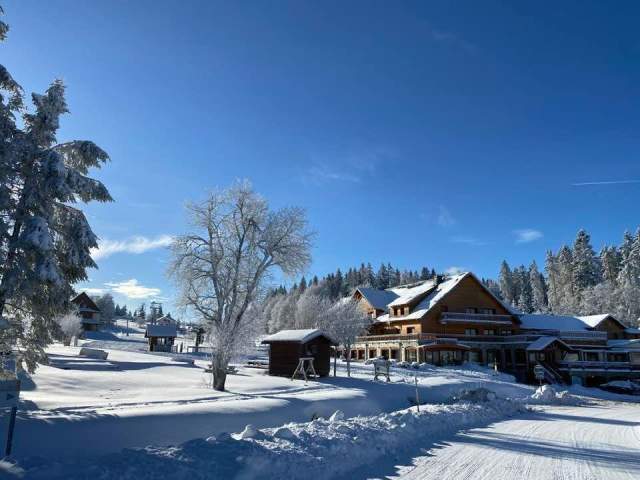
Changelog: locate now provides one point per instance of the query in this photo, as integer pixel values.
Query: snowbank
(547, 395)
(323, 448)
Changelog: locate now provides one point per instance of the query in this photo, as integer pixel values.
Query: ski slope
(601, 441)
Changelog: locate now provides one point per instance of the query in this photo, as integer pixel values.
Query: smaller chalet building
(450, 320)
(161, 336)
(287, 347)
(88, 311)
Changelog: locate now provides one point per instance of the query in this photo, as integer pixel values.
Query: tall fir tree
(538, 289)
(507, 287)
(45, 240)
(586, 268)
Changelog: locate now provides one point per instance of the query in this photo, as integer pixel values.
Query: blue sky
(447, 134)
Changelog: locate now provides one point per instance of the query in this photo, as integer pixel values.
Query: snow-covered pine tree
(628, 288)
(45, 240)
(382, 277)
(610, 261)
(525, 295)
(567, 298)
(586, 268)
(553, 281)
(538, 289)
(507, 287)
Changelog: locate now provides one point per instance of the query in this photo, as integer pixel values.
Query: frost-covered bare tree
(70, 325)
(45, 240)
(310, 309)
(345, 320)
(220, 267)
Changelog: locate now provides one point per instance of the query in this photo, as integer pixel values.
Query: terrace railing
(489, 319)
(395, 337)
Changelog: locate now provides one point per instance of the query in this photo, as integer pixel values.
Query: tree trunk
(219, 379)
(349, 362)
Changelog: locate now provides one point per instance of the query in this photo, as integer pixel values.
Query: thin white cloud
(527, 235)
(321, 173)
(453, 270)
(453, 39)
(134, 245)
(468, 240)
(445, 219)
(605, 182)
(132, 289)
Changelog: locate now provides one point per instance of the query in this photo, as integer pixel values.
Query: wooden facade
(284, 355)
(459, 319)
(88, 311)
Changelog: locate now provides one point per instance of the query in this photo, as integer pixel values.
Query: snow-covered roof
(428, 302)
(543, 342)
(155, 330)
(378, 299)
(298, 336)
(407, 294)
(85, 303)
(543, 321)
(594, 320)
(432, 295)
(632, 330)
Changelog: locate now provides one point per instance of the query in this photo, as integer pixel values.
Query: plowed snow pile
(323, 448)
(547, 395)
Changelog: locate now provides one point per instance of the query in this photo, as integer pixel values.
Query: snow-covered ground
(135, 399)
(77, 415)
(594, 443)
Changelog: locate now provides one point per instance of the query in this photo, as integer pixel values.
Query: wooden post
(417, 395)
(12, 424)
(335, 359)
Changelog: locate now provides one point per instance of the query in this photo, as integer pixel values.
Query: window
(410, 330)
(506, 332)
(489, 331)
(487, 311)
(470, 331)
(591, 356)
(469, 310)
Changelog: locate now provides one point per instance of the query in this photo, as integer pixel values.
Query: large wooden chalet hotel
(455, 319)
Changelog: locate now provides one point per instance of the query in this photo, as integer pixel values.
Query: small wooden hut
(161, 337)
(287, 347)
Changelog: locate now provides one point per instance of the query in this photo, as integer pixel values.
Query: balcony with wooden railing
(396, 337)
(475, 318)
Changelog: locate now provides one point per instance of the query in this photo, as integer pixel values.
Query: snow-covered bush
(70, 325)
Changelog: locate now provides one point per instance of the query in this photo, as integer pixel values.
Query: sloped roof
(154, 330)
(378, 299)
(406, 295)
(543, 342)
(594, 320)
(297, 336)
(435, 295)
(84, 300)
(543, 321)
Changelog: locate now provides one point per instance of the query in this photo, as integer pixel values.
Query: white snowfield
(134, 399)
(593, 443)
(79, 413)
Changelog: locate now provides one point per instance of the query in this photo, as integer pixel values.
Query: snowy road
(585, 443)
